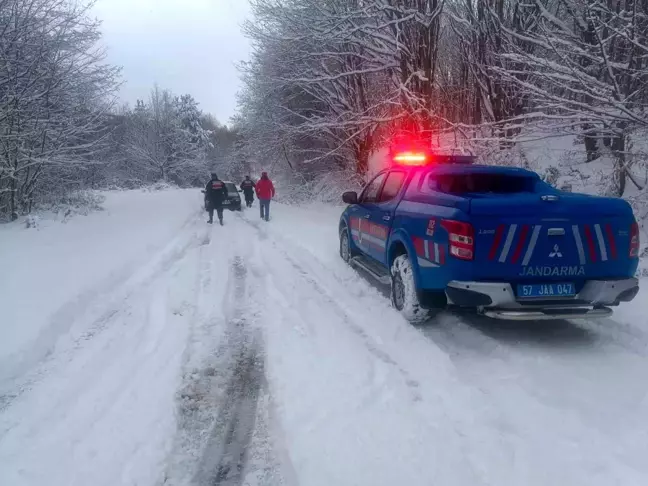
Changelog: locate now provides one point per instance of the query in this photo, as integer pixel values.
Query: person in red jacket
(265, 191)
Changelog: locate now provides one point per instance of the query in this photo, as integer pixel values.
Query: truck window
(392, 186)
(370, 193)
(479, 184)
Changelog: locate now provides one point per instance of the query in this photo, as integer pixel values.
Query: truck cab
(443, 231)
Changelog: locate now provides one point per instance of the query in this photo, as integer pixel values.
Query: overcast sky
(188, 46)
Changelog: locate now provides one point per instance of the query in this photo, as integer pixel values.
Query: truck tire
(346, 250)
(403, 291)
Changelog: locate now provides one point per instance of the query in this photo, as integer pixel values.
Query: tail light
(634, 240)
(461, 236)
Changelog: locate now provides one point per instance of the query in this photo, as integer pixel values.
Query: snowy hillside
(141, 346)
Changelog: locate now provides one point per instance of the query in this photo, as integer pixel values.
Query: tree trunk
(607, 141)
(13, 210)
(285, 153)
(362, 159)
(618, 148)
(591, 143)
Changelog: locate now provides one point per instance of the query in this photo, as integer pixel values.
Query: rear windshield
(231, 188)
(480, 183)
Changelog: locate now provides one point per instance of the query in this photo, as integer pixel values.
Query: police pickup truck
(445, 232)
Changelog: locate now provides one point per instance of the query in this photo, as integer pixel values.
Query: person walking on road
(215, 194)
(247, 186)
(265, 192)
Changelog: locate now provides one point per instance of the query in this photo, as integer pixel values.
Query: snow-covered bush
(159, 186)
(551, 175)
(75, 203)
(326, 188)
(32, 221)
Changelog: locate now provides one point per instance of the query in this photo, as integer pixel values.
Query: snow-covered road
(140, 346)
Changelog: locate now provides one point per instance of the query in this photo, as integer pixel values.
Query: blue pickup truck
(445, 232)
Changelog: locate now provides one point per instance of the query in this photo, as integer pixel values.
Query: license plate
(225, 203)
(547, 290)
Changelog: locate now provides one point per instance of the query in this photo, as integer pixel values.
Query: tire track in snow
(308, 277)
(225, 454)
(218, 403)
(203, 376)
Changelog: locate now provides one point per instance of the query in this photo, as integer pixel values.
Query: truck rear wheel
(403, 291)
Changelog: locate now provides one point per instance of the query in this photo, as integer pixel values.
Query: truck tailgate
(575, 238)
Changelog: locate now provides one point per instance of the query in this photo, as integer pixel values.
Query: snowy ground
(140, 346)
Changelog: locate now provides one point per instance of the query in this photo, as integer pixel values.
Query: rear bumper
(549, 314)
(232, 205)
(498, 300)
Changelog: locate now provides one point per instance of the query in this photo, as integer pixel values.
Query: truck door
(360, 219)
(382, 212)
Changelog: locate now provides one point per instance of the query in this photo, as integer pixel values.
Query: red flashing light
(410, 158)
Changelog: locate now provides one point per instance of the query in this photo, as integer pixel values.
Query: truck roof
(482, 169)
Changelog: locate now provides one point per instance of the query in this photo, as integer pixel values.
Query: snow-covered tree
(588, 72)
(55, 98)
(165, 139)
(324, 76)
(478, 33)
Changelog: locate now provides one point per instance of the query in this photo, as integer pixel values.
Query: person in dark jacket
(215, 194)
(265, 192)
(247, 186)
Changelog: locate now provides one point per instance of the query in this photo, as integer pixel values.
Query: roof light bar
(410, 158)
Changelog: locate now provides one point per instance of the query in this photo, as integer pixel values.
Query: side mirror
(203, 191)
(350, 197)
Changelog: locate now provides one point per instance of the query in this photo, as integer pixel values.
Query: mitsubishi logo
(556, 252)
